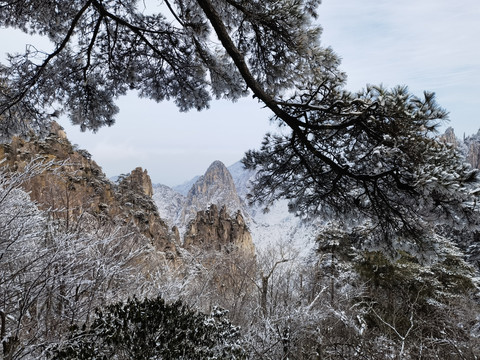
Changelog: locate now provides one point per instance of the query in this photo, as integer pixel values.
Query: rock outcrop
(75, 185)
(214, 229)
(139, 181)
(134, 195)
(473, 151)
(449, 137)
(197, 217)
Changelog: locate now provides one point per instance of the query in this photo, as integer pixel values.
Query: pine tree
(369, 154)
(370, 157)
(153, 329)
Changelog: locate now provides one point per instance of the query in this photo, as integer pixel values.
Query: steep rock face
(139, 181)
(76, 185)
(71, 170)
(473, 150)
(449, 137)
(135, 198)
(214, 229)
(197, 217)
(216, 186)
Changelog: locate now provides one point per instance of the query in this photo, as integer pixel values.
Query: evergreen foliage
(102, 49)
(408, 307)
(153, 329)
(368, 155)
(384, 284)
(53, 275)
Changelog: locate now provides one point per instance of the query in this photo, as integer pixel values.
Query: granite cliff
(217, 187)
(76, 187)
(210, 215)
(472, 144)
(214, 229)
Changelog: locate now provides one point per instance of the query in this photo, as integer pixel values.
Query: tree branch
(43, 66)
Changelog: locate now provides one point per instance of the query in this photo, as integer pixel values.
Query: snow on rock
(169, 202)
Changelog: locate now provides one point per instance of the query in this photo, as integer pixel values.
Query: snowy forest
(91, 268)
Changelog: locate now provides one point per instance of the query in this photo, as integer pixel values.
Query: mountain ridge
(278, 224)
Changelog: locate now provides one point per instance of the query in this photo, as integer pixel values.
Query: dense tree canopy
(153, 329)
(104, 48)
(369, 154)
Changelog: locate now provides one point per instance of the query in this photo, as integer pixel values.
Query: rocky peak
(469, 147)
(217, 177)
(472, 144)
(449, 137)
(216, 186)
(214, 229)
(139, 180)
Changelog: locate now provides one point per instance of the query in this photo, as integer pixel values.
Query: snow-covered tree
(408, 307)
(346, 303)
(51, 278)
(153, 329)
(365, 152)
(165, 50)
(369, 157)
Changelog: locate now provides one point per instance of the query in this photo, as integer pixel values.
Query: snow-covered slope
(186, 186)
(169, 203)
(241, 178)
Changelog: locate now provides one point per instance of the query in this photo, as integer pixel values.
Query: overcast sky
(428, 45)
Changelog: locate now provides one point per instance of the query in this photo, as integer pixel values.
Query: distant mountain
(210, 214)
(228, 187)
(216, 187)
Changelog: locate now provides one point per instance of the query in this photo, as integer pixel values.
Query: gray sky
(428, 45)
